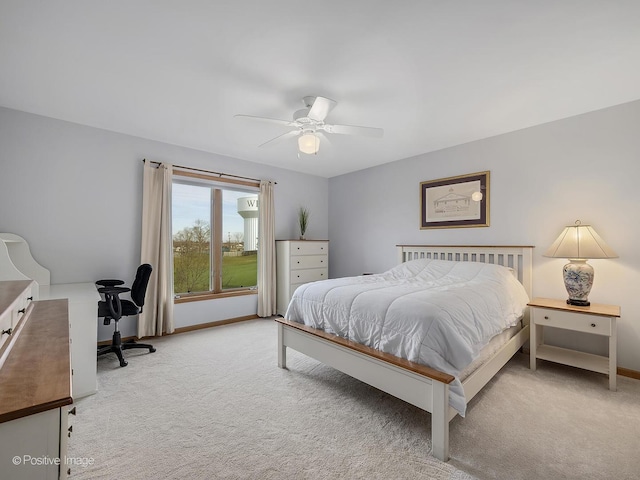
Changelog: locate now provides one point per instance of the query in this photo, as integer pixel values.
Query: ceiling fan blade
(321, 108)
(287, 123)
(354, 130)
(324, 139)
(281, 138)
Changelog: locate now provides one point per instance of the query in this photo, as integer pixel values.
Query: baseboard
(191, 328)
(626, 372)
(217, 323)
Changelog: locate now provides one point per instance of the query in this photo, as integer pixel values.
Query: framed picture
(453, 202)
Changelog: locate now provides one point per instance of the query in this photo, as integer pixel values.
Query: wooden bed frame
(416, 384)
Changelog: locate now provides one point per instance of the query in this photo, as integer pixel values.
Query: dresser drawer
(293, 288)
(309, 248)
(20, 306)
(580, 322)
(299, 262)
(310, 275)
(6, 323)
(14, 311)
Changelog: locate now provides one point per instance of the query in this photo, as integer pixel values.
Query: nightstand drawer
(580, 322)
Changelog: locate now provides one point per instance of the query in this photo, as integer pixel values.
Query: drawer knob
(593, 324)
(22, 310)
(7, 331)
(29, 298)
(72, 411)
(546, 318)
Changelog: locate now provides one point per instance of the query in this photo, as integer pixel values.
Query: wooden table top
(593, 309)
(35, 371)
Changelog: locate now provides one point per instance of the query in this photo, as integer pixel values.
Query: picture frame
(455, 202)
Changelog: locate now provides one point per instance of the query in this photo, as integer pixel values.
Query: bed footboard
(416, 384)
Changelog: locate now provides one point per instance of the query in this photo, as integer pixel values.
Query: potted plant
(303, 221)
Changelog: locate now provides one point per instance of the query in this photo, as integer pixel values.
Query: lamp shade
(579, 242)
(308, 143)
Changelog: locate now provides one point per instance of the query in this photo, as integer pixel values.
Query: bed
(426, 387)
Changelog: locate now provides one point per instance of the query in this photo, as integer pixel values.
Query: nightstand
(596, 319)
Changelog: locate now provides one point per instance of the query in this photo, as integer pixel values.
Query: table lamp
(578, 243)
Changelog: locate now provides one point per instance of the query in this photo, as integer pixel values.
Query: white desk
(17, 263)
(83, 322)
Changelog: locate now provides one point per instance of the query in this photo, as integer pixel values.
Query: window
(215, 237)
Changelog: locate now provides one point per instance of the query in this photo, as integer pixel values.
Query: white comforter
(434, 312)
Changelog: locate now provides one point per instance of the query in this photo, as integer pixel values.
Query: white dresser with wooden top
(35, 386)
(299, 262)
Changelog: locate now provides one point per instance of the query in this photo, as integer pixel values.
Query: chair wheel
(152, 349)
(124, 363)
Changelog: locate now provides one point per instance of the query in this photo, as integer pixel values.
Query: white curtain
(157, 315)
(266, 251)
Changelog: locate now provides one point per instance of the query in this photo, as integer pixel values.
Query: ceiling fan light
(308, 143)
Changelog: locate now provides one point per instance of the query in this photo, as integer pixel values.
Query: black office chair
(114, 308)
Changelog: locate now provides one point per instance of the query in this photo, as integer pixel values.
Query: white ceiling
(431, 73)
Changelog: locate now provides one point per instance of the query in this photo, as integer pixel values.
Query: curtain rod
(208, 171)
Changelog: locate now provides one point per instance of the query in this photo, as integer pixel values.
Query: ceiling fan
(308, 125)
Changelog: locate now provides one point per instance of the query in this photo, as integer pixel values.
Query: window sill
(198, 297)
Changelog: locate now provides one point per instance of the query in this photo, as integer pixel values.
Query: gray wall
(75, 194)
(542, 178)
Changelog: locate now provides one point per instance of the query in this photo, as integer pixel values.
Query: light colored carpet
(213, 404)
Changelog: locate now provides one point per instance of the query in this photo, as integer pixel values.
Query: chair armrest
(109, 283)
(112, 299)
(114, 290)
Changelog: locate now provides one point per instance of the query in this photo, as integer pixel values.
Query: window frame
(215, 267)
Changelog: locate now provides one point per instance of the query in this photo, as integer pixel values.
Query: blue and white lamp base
(578, 280)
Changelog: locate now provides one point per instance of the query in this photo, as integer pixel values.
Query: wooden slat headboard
(517, 257)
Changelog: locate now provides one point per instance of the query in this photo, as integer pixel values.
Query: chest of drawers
(299, 262)
(35, 386)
